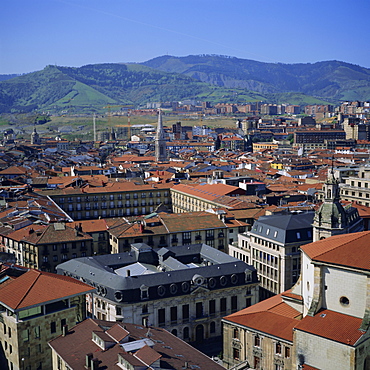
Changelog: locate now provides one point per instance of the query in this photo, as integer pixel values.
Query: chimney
(88, 361)
(94, 364)
(128, 273)
(142, 227)
(65, 330)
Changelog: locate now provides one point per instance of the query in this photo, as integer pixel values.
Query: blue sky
(36, 33)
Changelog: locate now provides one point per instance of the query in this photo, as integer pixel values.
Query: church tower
(35, 138)
(160, 141)
(332, 218)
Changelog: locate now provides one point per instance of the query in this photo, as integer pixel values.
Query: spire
(160, 140)
(160, 131)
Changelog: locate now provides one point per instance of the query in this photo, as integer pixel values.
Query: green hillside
(331, 80)
(92, 87)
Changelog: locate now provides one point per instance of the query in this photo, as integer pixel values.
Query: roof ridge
(31, 286)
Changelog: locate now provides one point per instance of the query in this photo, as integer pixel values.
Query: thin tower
(160, 140)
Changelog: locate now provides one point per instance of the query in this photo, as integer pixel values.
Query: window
(212, 327)
(257, 341)
(209, 234)
(199, 309)
(287, 352)
(186, 238)
(236, 333)
(223, 305)
(344, 301)
(118, 311)
(53, 327)
(278, 348)
(161, 316)
(236, 353)
(63, 323)
(186, 333)
(37, 332)
(26, 335)
(173, 312)
(185, 313)
(234, 303)
(212, 307)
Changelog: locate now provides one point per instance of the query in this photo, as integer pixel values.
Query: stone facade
(184, 289)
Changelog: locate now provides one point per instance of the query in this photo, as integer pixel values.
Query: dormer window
(144, 292)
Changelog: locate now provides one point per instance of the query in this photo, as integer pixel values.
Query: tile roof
(272, 316)
(208, 191)
(172, 350)
(36, 287)
(333, 325)
(47, 234)
(345, 250)
(147, 355)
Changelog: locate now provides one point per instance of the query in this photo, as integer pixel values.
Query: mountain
(94, 86)
(167, 78)
(331, 80)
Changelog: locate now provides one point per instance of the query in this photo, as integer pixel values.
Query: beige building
(186, 198)
(45, 246)
(112, 199)
(357, 188)
(166, 229)
(35, 307)
(272, 247)
(323, 322)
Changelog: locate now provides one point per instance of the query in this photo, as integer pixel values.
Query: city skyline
(75, 33)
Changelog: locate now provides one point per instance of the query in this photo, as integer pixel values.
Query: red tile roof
(147, 355)
(35, 287)
(333, 325)
(345, 250)
(272, 316)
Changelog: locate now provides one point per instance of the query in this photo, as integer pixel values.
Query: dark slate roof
(286, 228)
(180, 266)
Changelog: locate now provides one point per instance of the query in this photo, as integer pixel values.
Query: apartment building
(186, 198)
(112, 199)
(184, 289)
(272, 247)
(162, 230)
(45, 246)
(36, 307)
(356, 187)
(312, 139)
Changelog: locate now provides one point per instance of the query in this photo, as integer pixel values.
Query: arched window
(186, 333)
